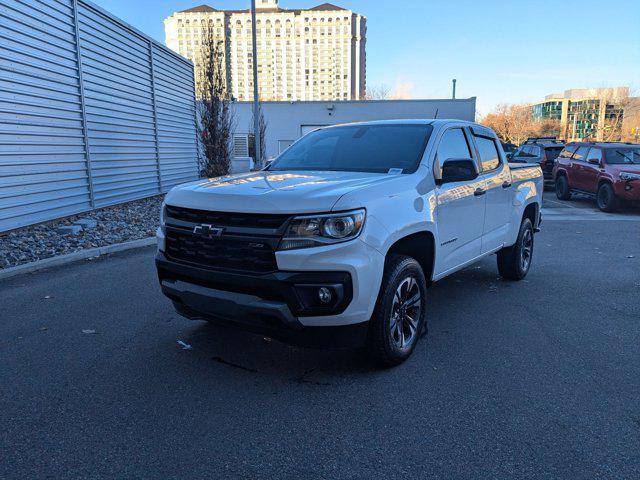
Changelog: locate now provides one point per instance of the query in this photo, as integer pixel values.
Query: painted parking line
(578, 214)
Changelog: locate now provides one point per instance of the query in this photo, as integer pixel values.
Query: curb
(75, 256)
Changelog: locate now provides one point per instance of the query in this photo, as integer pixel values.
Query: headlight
(318, 230)
(163, 207)
(629, 176)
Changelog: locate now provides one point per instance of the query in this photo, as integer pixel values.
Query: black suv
(540, 150)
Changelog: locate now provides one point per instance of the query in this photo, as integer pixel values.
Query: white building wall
(287, 121)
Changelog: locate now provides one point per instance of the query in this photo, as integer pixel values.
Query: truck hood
(272, 192)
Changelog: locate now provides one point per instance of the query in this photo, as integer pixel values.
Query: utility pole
(256, 99)
(454, 89)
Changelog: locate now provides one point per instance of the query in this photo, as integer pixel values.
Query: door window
(535, 151)
(453, 145)
(581, 154)
(595, 154)
(568, 152)
(489, 156)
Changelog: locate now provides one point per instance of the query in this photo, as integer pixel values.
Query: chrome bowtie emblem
(208, 231)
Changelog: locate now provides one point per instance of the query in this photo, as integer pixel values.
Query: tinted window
(595, 154)
(520, 152)
(358, 148)
(489, 156)
(535, 151)
(619, 156)
(567, 152)
(453, 145)
(581, 154)
(552, 153)
(525, 151)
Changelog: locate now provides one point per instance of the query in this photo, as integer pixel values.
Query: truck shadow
(242, 353)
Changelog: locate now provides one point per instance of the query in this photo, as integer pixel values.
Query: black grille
(224, 219)
(247, 242)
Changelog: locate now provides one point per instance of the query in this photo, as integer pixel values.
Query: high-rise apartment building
(314, 54)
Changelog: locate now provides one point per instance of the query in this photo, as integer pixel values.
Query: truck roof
(409, 121)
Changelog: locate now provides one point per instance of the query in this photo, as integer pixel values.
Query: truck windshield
(621, 156)
(358, 148)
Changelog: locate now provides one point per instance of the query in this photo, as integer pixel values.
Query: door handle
(479, 192)
(506, 184)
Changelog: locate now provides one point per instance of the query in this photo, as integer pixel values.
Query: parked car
(335, 243)
(540, 150)
(608, 171)
(509, 149)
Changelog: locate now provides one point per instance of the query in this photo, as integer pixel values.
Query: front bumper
(628, 190)
(275, 304)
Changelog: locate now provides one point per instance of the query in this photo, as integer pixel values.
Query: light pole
(256, 99)
(454, 89)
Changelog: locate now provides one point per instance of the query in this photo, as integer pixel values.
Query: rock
(69, 229)
(86, 223)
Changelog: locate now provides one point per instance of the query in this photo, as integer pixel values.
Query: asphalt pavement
(537, 379)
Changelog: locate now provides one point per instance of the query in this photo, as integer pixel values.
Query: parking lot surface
(537, 379)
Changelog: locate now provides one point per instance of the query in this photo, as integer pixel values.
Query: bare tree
(621, 118)
(378, 92)
(515, 123)
(262, 125)
(214, 112)
(631, 121)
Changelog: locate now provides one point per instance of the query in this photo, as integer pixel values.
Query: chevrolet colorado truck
(335, 243)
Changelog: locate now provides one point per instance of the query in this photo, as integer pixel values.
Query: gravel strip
(116, 224)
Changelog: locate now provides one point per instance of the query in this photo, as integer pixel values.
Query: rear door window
(489, 156)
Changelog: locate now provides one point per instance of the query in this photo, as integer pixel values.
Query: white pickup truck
(335, 243)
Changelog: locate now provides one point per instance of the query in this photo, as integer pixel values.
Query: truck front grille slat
(250, 252)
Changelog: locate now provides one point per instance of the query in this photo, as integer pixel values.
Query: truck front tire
(399, 317)
(514, 262)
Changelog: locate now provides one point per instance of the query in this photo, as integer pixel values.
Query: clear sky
(499, 50)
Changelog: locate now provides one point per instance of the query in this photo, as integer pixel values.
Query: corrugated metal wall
(92, 112)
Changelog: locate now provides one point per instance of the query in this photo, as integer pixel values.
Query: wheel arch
(420, 246)
(532, 212)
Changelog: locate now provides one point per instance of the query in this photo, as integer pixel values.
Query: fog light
(324, 294)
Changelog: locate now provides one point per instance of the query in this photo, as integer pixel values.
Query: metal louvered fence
(92, 112)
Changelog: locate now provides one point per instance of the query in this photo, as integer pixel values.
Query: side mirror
(458, 170)
(593, 161)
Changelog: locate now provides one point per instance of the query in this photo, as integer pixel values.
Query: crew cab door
(460, 206)
(497, 183)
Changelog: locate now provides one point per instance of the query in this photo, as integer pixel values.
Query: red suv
(610, 171)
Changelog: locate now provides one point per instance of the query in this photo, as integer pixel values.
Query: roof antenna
(436, 115)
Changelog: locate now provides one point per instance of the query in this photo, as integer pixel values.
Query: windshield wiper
(619, 152)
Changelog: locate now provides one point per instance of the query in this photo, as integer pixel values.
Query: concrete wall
(286, 122)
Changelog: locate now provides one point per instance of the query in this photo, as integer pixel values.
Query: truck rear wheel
(399, 317)
(514, 262)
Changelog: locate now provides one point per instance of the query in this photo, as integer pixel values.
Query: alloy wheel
(526, 250)
(405, 313)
